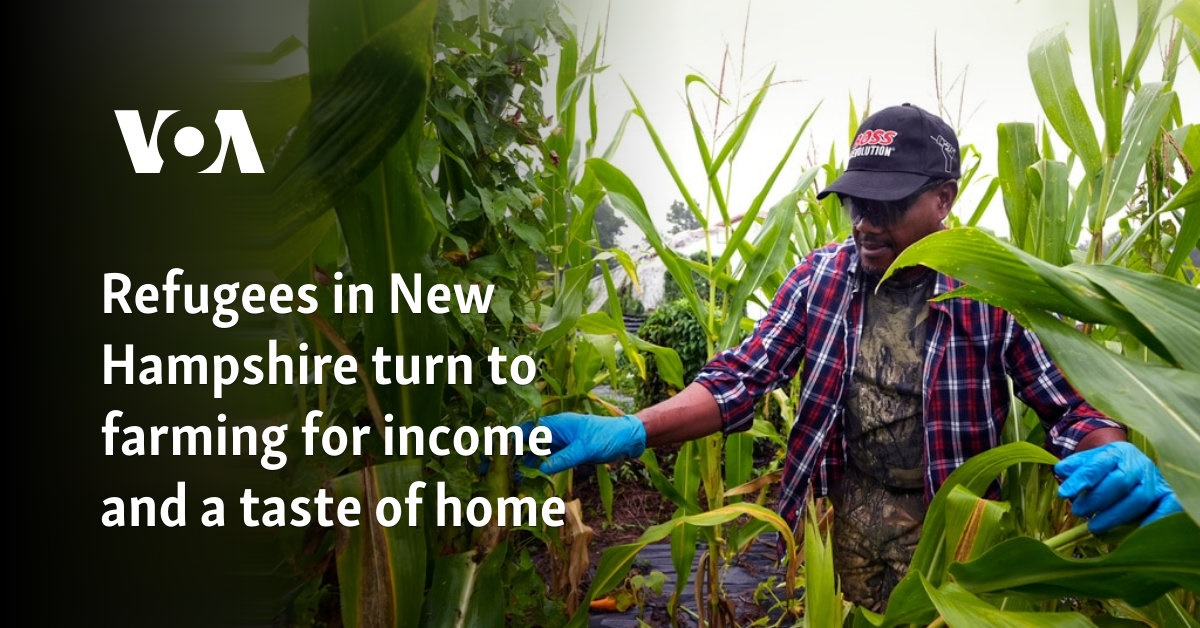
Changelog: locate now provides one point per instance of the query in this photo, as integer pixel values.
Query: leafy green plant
(635, 592)
(671, 325)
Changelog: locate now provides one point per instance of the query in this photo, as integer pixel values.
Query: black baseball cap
(896, 151)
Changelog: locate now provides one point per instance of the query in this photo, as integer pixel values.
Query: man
(897, 391)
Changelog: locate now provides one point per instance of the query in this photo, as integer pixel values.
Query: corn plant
(970, 567)
(360, 112)
(419, 150)
(1143, 172)
(700, 463)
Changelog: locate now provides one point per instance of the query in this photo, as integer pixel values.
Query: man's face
(882, 232)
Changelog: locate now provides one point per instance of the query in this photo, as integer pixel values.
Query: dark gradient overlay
(80, 212)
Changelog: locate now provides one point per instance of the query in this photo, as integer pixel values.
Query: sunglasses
(884, 214)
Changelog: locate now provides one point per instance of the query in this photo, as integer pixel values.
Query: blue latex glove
(1114, 484)
(586, 438)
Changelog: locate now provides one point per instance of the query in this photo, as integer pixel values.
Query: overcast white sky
(828, 52)
(822, 53)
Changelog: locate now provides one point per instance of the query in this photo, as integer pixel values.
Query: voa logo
(188, 140)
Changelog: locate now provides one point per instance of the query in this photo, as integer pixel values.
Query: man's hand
(1114, 484)
(586, 438)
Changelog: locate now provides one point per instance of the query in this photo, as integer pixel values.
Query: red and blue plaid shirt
(971, 351)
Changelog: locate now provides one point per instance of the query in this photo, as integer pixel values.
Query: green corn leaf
(463, 593)
(683, 554)
(984, 202)
(273, 107)
(769, 251)
(1080, 203)
(739, 459)
(730, 148)
(1153, 308)
(764, 429)
(611, 149)
(741, 537)
(585, 365)
(710, 449)
(702, 147)
(670, 366)
(1188, 13)
(1147, 28)
(626, 197)
(973, 524)
(381, 570)
(384, 221)
(663, 154)
(665, 487)
(1187, 200)
(1187, 140)
(568, 306)
(1189, 235)
(978, 259)
(1153, 560)
(908, 604)
(687, 469)
(629, 266)
(1051, 220)
(822, 600)
(961, 608)
(1047, 145)
(593, 115)
(737, 240)
(582, 233)
(1017, 150)
(1166, 611)
(1165, 307)
(559, 150)
(606, 348)
(565, 97)
(1192, 40)
(1106, 71)
(1141, 130)
(369, 84)
(1011, 278)
(605, 485)
(366, 93)
(1050, 69)
(853, 121)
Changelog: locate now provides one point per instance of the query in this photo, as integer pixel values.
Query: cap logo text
(874, 143)
(880, 137)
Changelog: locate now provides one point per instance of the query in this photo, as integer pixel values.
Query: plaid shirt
(971, 350)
